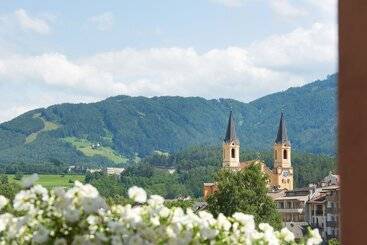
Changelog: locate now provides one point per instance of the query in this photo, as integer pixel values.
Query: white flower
(223, 222)
(164, 212)
(270, 237)
(266, 227)
(156, 200)
(287, 235)
(71, 215)
(60, 241)
(79, 240)
(243, 218)
(206, 217)
(115, 227)
(3, 202)
(137, 194)
(40, 190)
(178, 215)
(87, 190)
(5, 220)
(155, 221)
(315, 237)
(17, 226)
(136, 240)
(28, 181)
(116, 240)
(92, 220)
(22, 201)
(41, 235)
(173, 230)
(101, 237)
(92, 205)
(209, 233)
(83, 216)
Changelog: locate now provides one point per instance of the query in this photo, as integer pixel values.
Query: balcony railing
(290, 210)
(331, 223)
(331, 210)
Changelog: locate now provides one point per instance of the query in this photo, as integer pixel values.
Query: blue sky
(83, 51)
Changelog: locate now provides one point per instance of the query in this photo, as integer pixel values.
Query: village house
(316, 206)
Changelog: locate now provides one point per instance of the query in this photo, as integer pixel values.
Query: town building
(324, 208)
(316, 206)
(107, 170)
(280, 177)
(292, 205)
(114, 171)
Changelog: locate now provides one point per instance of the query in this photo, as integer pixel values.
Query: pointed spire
(231, 130)
(282, 136)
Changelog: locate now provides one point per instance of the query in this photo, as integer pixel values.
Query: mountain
(122, 127)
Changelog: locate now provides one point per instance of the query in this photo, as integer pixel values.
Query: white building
(114, 171)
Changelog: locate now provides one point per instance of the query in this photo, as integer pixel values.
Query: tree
(18, 176)
(8, 188)
(244, 191)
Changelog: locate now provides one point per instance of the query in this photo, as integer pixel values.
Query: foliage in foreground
(80, 216)
(244, 191)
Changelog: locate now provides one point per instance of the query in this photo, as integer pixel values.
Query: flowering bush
(80, 215)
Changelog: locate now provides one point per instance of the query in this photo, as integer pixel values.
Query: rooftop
(231, 130)
(282, 136)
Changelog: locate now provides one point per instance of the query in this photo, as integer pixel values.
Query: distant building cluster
(95, 146)
(108, 170)
(316, 205)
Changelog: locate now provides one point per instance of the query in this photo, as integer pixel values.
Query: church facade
(280, 176)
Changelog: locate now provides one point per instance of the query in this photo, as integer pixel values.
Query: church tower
(283, 170)
(231, 146)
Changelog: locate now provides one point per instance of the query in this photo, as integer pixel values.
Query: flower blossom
(80, 215)
(137, 194)
(3, 202)
(28, 181)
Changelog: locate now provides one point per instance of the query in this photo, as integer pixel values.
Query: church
(280, 177)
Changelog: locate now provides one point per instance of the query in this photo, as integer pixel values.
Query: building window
(289, 204)
(281, 205)
(275, 154)
(285, 154)
(233, 153)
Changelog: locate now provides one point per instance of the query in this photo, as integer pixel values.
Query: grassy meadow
(53, 180)
(84, 146)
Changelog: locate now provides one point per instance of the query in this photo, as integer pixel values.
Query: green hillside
(127, 126)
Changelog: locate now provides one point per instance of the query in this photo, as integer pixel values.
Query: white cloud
(230, 3)
(285, 9)
(103, 22)
(326, 5)
(31, 23)
(300, 50)
(316, 9)
(243, 73)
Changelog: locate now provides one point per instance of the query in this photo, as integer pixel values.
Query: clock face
(285, 173)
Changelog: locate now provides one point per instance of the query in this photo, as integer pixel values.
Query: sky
(76, 51)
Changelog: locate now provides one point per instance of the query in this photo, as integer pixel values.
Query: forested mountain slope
(121, 127)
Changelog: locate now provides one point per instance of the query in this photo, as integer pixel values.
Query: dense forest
(112, 131)
(197, 165)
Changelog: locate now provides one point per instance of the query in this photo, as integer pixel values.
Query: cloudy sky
(86, 50)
